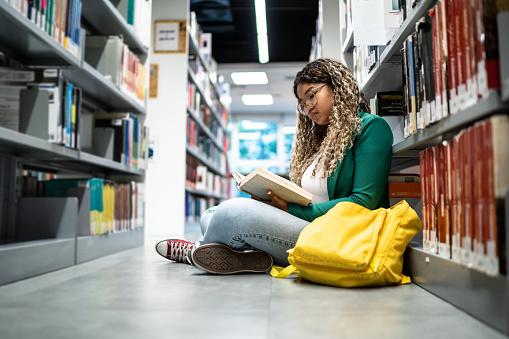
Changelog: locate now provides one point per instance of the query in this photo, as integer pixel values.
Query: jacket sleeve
(372, 162)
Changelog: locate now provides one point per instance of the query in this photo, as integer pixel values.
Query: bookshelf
(387, 73)
(481, 295)
(102, 90)
(434, 134)
(32, 46)
(198, 199)
(106, 20)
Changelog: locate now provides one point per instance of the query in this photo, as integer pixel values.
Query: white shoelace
(180, 251)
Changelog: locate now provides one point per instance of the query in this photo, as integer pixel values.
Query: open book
(258, 182)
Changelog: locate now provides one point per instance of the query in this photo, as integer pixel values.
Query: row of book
(204, 81)
(465, 182)
(204, 41)
(198, 177)
(200, 142)
(104, 206)
(58, 18)
(204, 113)
(121, 137)
(451, 61)
(42, 104)
(387, 17)
(137, 14)
(195, 206)
(113, 59)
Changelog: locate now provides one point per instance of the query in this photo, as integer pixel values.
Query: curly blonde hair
(328, 142)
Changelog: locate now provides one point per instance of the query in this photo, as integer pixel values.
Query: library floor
(137, 294)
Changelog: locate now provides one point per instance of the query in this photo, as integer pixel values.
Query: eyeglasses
(308, 100)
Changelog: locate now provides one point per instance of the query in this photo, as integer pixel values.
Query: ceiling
(290, 27)
(280, 76)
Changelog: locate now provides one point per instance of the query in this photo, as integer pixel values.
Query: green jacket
(362, 175)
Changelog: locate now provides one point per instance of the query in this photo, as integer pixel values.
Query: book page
(260, 181)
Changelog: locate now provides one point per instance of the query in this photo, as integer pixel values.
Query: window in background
(288, 134)
(257, 140)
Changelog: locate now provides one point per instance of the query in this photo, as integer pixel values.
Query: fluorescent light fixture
(257, 99)
(249, 78)
(261, 30)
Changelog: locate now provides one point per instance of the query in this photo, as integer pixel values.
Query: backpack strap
(282, 272)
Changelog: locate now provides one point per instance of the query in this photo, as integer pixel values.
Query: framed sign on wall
(170, 36)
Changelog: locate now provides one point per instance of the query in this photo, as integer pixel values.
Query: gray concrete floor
(137, 294)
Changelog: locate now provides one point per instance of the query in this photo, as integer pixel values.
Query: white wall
(166, 118)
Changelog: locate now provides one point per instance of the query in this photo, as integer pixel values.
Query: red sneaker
(177, 250)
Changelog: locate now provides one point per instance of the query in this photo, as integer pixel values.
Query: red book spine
(423, 172)
(460, 212)
(439, 177)
(492, 246)
(434, 201)
(455, 186)
(433, 13)
(477, 203)
(467, 197)
(472, 86)
(447, 197)
(460, 37)
(443, 56)
(451, 64)
(429, 192)
(487, 47)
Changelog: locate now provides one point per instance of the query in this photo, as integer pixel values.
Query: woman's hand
(274, 201)
(278, 202)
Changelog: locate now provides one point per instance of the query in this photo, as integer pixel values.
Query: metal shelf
(385, 73)
(206, 130)
(107, 20)
(34, 149)
(29, 147)
(108, 164)
(434, 134)
(207, 102)
(103, 90)
(93, 247)
(26, 259)
(482, 296)
(204, 193)
(27, 43)
(204, 160)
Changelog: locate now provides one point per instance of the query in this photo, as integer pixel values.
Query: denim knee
(228, 216)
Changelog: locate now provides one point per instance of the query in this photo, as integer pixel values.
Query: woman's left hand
(277, 202)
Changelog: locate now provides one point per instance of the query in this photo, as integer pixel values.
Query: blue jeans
(244, 223)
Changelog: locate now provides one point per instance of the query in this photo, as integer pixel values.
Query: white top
(315, 185)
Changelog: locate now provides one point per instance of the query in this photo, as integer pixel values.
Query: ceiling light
(257, 99)
(261, 30)
(249, 78)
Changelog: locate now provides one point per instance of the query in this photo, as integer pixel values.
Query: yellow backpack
(352, 246)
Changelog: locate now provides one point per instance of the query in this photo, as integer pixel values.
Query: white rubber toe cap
(162, 248)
